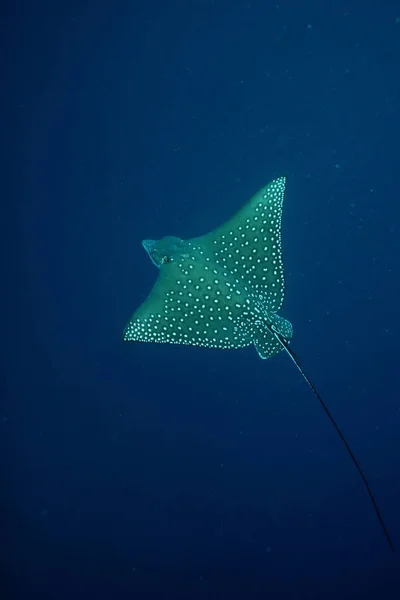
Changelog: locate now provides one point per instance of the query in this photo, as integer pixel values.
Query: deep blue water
(140, 471)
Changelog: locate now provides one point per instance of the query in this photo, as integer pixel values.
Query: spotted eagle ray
(224, 289)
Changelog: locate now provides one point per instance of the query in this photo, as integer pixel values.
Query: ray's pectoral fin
(248, 246)
(266, 343)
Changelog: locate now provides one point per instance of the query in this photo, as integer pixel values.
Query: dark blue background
(134, 471)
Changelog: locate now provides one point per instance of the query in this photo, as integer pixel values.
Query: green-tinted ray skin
(219, 290)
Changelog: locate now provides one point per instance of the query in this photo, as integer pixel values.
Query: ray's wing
(188, 305)
(249, 244)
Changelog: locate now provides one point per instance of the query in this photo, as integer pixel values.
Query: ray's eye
(165, 259)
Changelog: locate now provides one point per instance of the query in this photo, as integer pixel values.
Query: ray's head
(165, 250)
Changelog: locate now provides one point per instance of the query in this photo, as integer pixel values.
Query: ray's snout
(148, 244)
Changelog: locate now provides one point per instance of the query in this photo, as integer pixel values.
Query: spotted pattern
(219, 290)
(249, 245)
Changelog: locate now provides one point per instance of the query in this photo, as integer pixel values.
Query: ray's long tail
(294, 358)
